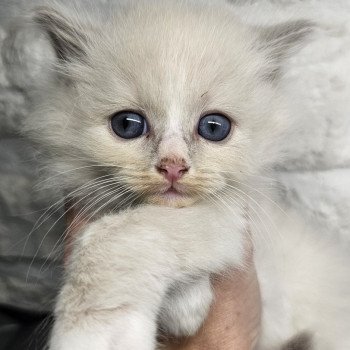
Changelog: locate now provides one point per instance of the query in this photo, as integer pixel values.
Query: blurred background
(315, 177)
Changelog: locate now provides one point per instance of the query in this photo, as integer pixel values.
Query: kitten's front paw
(104, 330)
(186, 307)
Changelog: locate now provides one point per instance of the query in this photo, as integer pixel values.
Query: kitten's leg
(123, 265)
(118, 275)
(186, 306)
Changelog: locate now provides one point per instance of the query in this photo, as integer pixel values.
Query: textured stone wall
(317, 84)
(316, 174)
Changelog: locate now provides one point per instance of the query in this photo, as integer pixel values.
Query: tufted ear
(281, 40)
(66, 34)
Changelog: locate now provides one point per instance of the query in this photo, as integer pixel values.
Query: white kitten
(164, 116)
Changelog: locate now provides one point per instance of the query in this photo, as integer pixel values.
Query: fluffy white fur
(310, 287)
(124, 265)
(146, 259)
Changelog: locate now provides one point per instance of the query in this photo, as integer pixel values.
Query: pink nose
(172, 172)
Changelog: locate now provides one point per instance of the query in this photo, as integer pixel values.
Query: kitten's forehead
(174, 62)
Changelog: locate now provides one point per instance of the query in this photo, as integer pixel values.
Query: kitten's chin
(174, 200)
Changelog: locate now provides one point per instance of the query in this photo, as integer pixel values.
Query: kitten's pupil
(213, 126)
(125, 123)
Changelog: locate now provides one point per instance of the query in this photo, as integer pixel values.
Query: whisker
(59, 202)
(78, 216)
(255, 211)
(91, 204)
(263, 195)
(46, 234)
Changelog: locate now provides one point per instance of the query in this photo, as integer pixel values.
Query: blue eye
(129, 125)
(214, 127)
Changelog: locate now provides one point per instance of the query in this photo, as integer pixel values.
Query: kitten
(159, 124)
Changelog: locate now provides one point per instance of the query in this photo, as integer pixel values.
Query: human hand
(234, 319)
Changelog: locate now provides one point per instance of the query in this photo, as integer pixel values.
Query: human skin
(233, 322)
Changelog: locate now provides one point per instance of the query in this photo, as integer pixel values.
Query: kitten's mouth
(174, 196)
(172, 192)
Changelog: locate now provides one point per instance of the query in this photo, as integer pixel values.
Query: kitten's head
(169, 101)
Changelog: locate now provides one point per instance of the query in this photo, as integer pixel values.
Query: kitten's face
(174, 103)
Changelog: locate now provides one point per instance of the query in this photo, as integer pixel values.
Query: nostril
(183, 170)
(164, 171)
(161, 170)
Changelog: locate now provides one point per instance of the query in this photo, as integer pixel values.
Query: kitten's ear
(65, 33)
(281, 40)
